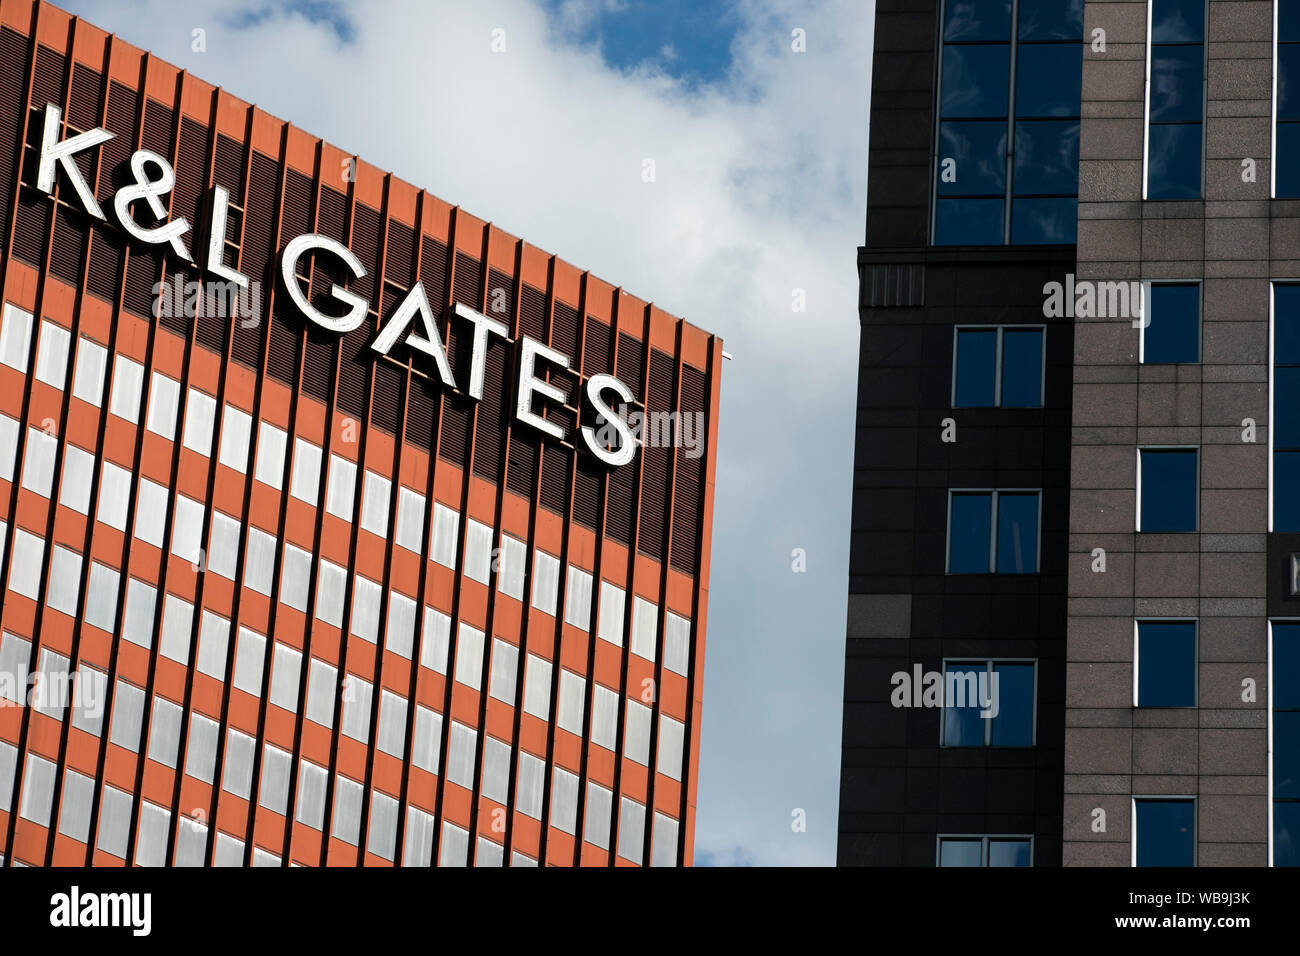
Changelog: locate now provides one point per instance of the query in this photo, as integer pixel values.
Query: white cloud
(760, 190)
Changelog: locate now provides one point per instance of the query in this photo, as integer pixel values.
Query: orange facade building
(321, 567)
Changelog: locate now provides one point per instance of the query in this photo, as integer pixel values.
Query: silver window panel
(128, 716)
(137, 616)
(604, 717)
(223, 545)
(187, 530)
(511, 565)
(631, 830)
(114, 821)
(417, 848)
(9, 430)
(250, 661)
(645, 618)
(521, 859)
(505, 671)
(52, 355)
(305, 482)
(346, 825)
(341, 488)
(151, 513)
(478, 551)
(357, 698)
(25, 566)
(128, 380)
(237, 771)
(88, 380)
(236, 430)
(8, 765)
(434, 644)
(489, 853)
(596, 816)
(374, 504)
(677, 643)
(78, 468)
(496, 770)
(101, 597)
(564, 800)
(399, 636)
(460, 755)
(177, 622)
(331, 589)
(191, 842)
(151, 835)
(469, 656)
(214, 645)
(537, 687)
(546, 581)
(577, 598)
(271, 442)
(259, 561)
(663, 851)
(310, 805)
(392, 724)
(274, 792)
(15, 337)
(320, 692)
(164, 731)
(15, 663)
(568, 715)
(410, 520)
(200, 414)
(609, 625)
(201, 748)
(295, 578)
(228, 851)
(426, 739)
(366, 596)
(454, 848)
(38, 462)
(636, 734)
(51, 694)
(114, 496)
(286, 673)
(64, 585)
(38, 790)
(446, 523)
(531, 783)
(74, 805)
(90, 700)
(671, 735)
(164, 397)
(381, 837)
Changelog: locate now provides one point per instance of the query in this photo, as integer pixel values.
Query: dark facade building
(328, 538)
(1122, 178)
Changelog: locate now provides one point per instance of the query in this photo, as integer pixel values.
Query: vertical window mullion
(997, 363)
(993, 532)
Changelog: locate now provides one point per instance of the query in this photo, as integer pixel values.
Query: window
(677, 643)
(223, 546)
(577, 598)
(417, 848)
(1284, 700)
(604, 717)
(200, 413)
(88, 703)
(1172, 334)
(201, 748)
(137, 616)
(400, 633)
(342, 486)
(374, 505)
(128, 716)
(469, 656)
(347, 810)
(392, 724)
(65, 581)
(274, 792)
(664, 851)
(78, 467)
(357, 697)
(164, 731)
(88, 380)
(164, 397)
(532, 779)
(9, 429)
(228, 851)
(986, 851)
(609, 624)
(178, 619)
(537, 687)
(1286, 94)
(15, 337)
(270, 455)
(151, 513)
(187, 529)
(286, 673)
(151, 837)
(478, 551)
(568, 712)
(596, 818)
(546, 581)
(512, 563)
(425, 739)
(495, 783)
(49, 696)
(993, 532)
(505, 669)
(114, 821)
(445, 525)
(191, 842)
(15, 658)
(214, 645)
(25, 575)
(672, 733)
(1175, 110)
(998, 366)
(310, 805)
(645, 621)
(331, 587)
(631, 829)
(381, 837)
(38, 790)
(236, 429)
(305, 482)
(436, 641)
(1164, 664)
(74, 812)
(250, 658)
(989, 703)
(320, 692)
(237, 773)
(410, 521)
(38, 462)
(489, 853)
(114, 496)
(101, 597)
(1167, 484)
(52, 355)
(453, 850)
(128, 379)
(460, 755)
(259, 561)
(1164, 831)
(8, 765)
(1007, 168)
(636, 733)
(1284, 409)
(564, 800)
(295, 578)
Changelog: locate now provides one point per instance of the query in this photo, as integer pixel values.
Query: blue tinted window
(976, 368)
(975, 81)
(1286, 324)
(1038, 221)
(1286, 666)
(977, 20)
(1022, 368)
(1286, 491)
(965, 686)
(1174, 162)
(1286, 834)
(1287, 171)
(1288, 81)
(978, 149)
(1174, 332)
(1165, 831)
(1017, 533)
(1048, 78)
(1166, 664)
(968, 222)
(969, 533)
(1286, 401)
(1176, 84)
(1009, 853)
(961, 852)
(1169, 493)
(1013, 725)
(1047, 158)
(1177, 21)
(1288, 21)
(1286, 754)
(1051, 20)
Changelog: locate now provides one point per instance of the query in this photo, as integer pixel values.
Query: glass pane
(1286, 834)
(960, 852)
(1044, 221)
(1166, 664)
(976, 368)
(1177, 21)
(968, 222)
(1174, 162)
(1287, 180)
(1288, 81)
(1047, 157)
(1286, 666)
(1286, 395)
(1288, 20)
(962, 724)
(977, 20)
(1173, 334)
(1286, 491)
(1013, 699)
(1009, 853)
(975, 81)
(1286, 324)
(1286, 754)
(1166, 832)
(968, 537)
(1176, 84)
(979, 151)
(1168, 491)
(1017, 533)
(1022, 368)
(1049, 79)
(1051, 20)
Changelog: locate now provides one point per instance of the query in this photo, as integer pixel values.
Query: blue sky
(758, 203)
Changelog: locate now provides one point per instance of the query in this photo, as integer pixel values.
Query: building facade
(1102, 175)
(327, 538)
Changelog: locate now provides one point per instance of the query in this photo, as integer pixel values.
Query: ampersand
(150, 190)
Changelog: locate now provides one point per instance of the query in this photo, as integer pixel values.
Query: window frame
(989, 662)
(993, 533)
(1205, 77)
(1272, 381)
(1196, 660)
(1137, 510)
(985, 839)
(1183, 797)
(1148, 305)
(997, 364)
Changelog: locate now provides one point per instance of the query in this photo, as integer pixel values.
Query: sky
(757, 207)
